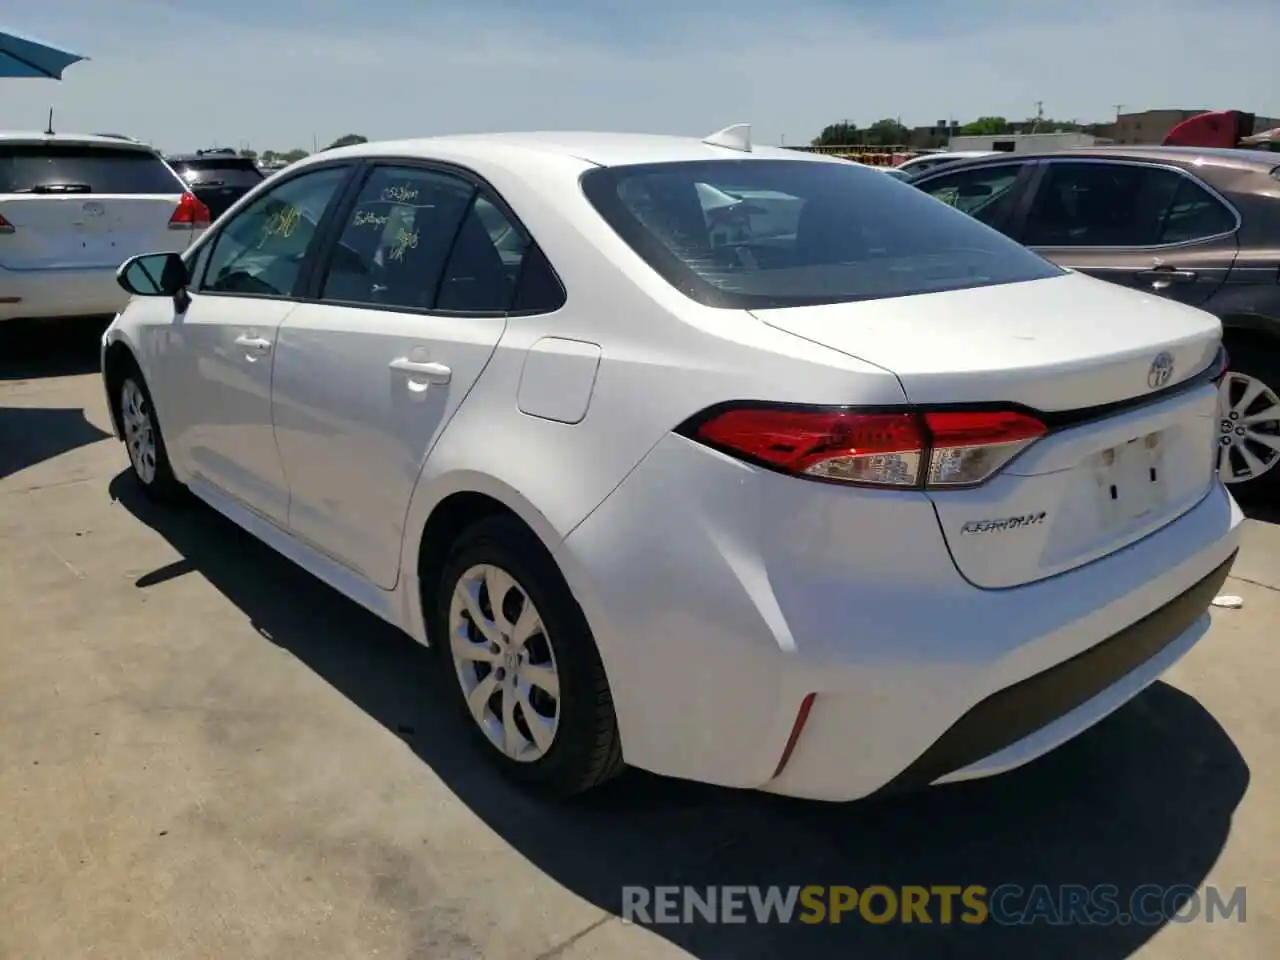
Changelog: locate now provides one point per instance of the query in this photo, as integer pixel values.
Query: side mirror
(153, 275)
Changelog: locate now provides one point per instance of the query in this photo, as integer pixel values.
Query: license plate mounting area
(1130, 481)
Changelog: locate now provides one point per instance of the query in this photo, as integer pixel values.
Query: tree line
(889, 132)
(296, 154)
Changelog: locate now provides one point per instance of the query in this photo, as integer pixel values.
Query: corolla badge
(93, 209)
(1003, 523)
(1161, 370)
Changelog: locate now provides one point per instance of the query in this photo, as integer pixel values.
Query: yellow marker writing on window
(403, 242)
(282, 223)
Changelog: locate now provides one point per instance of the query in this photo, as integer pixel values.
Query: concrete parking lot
(206, 753)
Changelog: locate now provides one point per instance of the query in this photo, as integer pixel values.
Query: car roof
(600, 149)
(74, 140)
(1260, 160)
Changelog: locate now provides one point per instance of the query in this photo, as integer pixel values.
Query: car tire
(140, 429)
(1250, 387)
(502, 666)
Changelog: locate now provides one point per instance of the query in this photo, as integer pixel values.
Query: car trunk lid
(82, 230)
(1127, 450)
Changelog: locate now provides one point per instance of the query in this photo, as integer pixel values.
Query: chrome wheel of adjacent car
(1249, 428)
(504, 662)
(139, 430)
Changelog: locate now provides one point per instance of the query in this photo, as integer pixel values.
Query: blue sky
(275, 73)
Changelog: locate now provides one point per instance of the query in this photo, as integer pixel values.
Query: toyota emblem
(94, 209)
(1161, 371)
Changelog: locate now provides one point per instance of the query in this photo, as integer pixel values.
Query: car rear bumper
(59, 293)
(722, 596)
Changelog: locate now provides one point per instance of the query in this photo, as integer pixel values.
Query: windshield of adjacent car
(754, 234)
(67, 168)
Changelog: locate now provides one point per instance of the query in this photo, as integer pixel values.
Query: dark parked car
(218, 177)
(1197, 225)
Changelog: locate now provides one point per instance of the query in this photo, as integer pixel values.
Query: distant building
(1025, 142)
(934, 136)
(1152, 126)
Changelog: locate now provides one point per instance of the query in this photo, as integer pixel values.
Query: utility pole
(313, 143)
(1039, 115)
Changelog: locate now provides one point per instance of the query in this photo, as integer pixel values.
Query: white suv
(72, 208)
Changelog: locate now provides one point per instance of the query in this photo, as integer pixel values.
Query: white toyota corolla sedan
(730, 463)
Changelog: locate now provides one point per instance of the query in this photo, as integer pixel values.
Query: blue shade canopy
(23, 57)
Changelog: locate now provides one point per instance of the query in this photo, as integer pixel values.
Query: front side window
(1083, 204)
(775, 233)
(984, 193)
(261, 250)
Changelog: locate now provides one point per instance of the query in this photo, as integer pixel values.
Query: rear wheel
(524, 665)
(142, 438)
(1249, 422)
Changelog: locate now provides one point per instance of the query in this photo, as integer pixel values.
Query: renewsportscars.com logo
(1005, 905)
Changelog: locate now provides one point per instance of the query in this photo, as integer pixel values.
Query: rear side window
(484, 263)
(395, 244)
(41, 168)
(1085, 204)
(751, 234)
(539, 289)
(1195, 214)
(221, 174)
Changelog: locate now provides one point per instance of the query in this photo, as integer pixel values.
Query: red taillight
(190, 213)
(880, 448)
(5, 226)
(887, 449)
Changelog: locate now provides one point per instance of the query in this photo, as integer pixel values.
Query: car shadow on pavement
(1146, 797)
(35, 349)
(1261, 509)
(30, 435)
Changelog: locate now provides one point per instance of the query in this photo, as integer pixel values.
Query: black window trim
(212, 235)
(1044, 164)
(311, 286)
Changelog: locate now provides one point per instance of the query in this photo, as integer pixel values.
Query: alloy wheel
(1248, 429)
(139, 430)
(504, 662)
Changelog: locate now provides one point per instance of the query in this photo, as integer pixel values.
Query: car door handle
(257, 344)
(430, 371)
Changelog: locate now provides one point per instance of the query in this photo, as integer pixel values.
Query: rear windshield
(41, 168)
(220, 173)
(751, 234)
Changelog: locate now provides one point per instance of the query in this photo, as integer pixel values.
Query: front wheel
(524, 665)
(1249, 420)
(142, 438)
